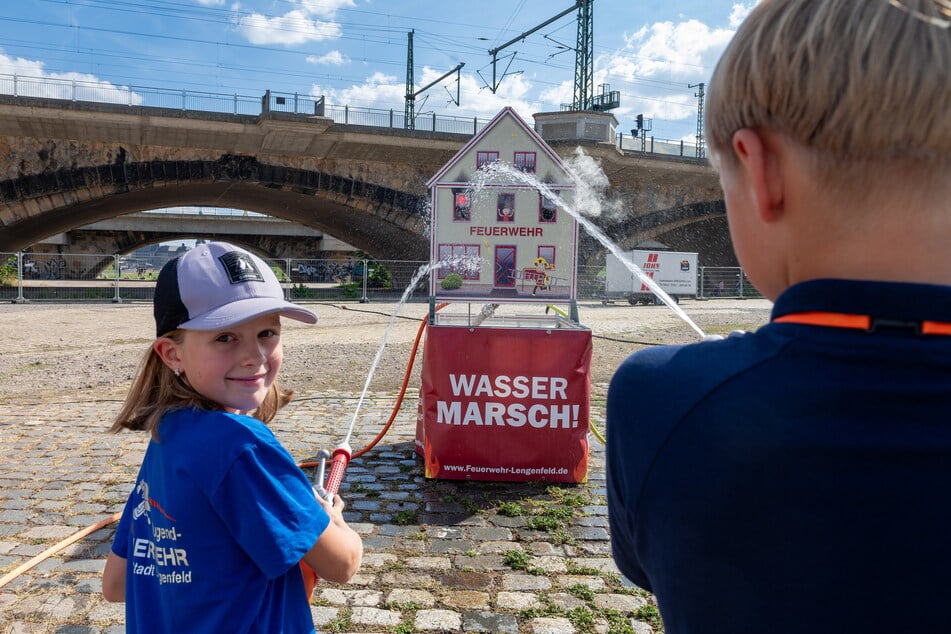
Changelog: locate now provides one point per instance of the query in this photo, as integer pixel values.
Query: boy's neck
(889, 237)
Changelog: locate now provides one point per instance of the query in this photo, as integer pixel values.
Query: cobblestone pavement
(440, 556)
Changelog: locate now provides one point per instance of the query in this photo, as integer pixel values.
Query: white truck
(674, 271)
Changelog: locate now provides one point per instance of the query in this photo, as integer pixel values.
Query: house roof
(507, 111)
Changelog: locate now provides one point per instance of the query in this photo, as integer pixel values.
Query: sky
(354, 52)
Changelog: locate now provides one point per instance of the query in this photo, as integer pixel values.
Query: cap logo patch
(240, 268)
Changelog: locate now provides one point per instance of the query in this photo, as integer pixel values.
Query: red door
(504, 267)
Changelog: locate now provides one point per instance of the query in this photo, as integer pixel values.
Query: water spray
(500, 168)
(487, 311)
(327, 488)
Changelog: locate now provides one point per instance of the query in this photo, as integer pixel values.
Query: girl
(220, 516)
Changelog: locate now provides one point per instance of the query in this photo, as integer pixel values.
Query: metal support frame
(20, 299)
(116, 299)
(409, 112)
(495, 51)
(699, 95)
(583, 94)
(409, 108)
(584, 57)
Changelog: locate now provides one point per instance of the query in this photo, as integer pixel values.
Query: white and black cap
(217, 285)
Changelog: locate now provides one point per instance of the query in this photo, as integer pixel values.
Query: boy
(797, 478)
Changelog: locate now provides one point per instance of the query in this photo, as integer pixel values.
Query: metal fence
(295, 103)
(728, 282)
(291, 103)
(53, 277)
(656, 145)
(225, 103)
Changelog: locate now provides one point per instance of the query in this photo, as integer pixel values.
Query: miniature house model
(499, 230)
(501, 233)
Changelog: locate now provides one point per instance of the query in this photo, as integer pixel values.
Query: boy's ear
(760, 160)
(167, 350)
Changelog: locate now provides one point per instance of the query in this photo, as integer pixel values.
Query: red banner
(506, 404)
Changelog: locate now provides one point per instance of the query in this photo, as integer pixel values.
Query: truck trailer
(674, 271)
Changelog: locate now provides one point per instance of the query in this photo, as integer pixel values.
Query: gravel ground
(436, 550)
(72, 351)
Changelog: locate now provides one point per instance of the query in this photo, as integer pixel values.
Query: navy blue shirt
(795, 479)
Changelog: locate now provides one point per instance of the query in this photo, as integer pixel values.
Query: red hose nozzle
(339, 460)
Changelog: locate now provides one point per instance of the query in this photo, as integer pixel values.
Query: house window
(525, 161)
(548, 253)
(505, 208)
(461, 205)
(464, 259)
(484, 158)
(547, 209)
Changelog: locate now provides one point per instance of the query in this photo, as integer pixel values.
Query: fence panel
(320, 280)
(726, 282)
(387, 280)
(656, 145)
(10, 277)
(68, 277)
(107, 277)
(590, 283)
(349, 280)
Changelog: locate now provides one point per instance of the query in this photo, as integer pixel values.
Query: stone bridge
(68, 164)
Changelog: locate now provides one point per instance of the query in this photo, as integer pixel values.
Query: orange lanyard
(861, 322)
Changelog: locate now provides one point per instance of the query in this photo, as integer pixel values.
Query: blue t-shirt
(215, 528)
(795, 479)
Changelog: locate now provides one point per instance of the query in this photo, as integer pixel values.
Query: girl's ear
(168, 352)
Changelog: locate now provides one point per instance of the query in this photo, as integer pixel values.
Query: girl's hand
(339, 550)
(334, 509)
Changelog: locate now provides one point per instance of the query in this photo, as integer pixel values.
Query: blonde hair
(156, 390)
(859, 82)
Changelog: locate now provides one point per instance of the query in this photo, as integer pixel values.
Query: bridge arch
(699, 226)
(70, 164)
(384, 222)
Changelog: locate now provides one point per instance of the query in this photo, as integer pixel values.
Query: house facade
(500, 228)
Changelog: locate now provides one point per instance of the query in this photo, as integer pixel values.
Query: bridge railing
(296, 103)
(55, 277)
(226, 103)
(657, 145)
(292, 103)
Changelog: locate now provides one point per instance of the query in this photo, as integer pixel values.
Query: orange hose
(399, 398)
(52, 550)
(72, 539)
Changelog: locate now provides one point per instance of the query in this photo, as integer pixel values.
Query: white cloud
(325, 8)
(658, 63)
(671, 51)
(211, 3)
(652, 71)
(476, 100)
(739, 13)
(378, 91)
(557, 95)
(294, 27)
(333, 58)
(311, 21)
(33, 81)
(386, 92)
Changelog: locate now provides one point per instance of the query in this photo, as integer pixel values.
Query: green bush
(351, 289)
(380, 277)
(451, 282)
(279, 273)
(8, 271)
(299, 291)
